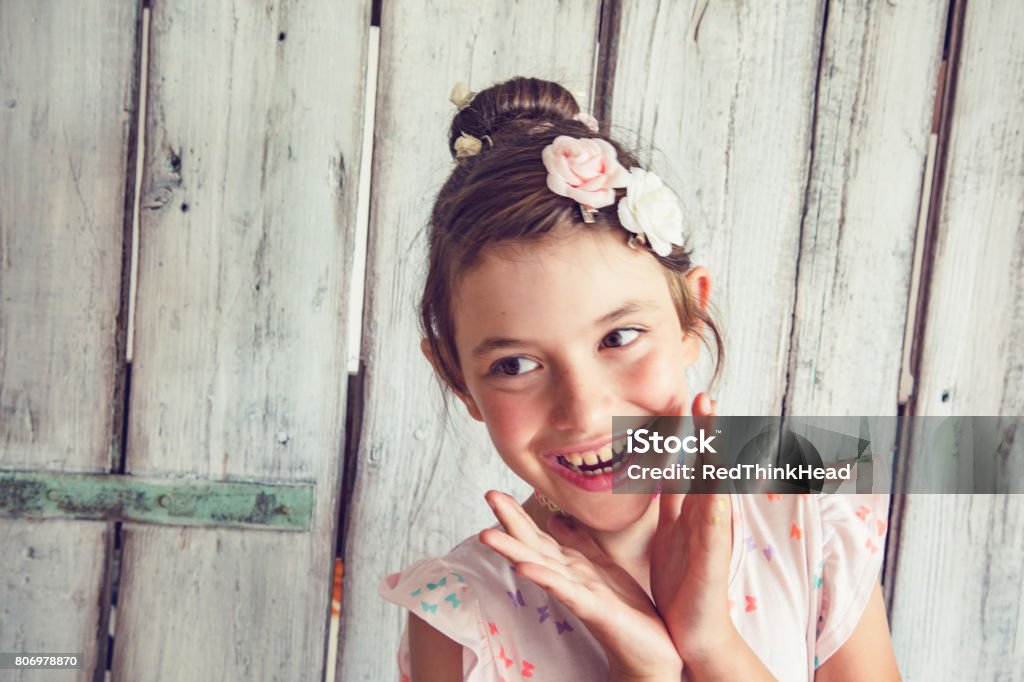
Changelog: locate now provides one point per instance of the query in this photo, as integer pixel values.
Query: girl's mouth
(604, 460)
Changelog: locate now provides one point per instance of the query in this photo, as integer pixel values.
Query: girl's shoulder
(817, 520)
(837, 538)
(808, 563)
(503, 621)
(470, 568)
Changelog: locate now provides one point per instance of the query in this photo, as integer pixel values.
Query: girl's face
(556, 337)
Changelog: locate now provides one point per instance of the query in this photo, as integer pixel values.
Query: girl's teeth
(603, 461)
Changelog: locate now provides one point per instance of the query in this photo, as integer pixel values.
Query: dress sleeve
(853, 529)
(442, 597)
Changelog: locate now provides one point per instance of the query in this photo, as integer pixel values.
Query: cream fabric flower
(461, 95)
(651, 211)
(467, 145)
(584, 170)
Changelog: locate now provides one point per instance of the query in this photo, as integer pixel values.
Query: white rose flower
(651, 211)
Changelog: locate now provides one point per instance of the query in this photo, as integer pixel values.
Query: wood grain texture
(873, 110)
(51, 575)
(252, 144)
(421, 477)
(972, 353)
(957, 606)
(66, 107)
(718, 97)
(67, 74)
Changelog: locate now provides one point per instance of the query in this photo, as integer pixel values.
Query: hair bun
(513, 105)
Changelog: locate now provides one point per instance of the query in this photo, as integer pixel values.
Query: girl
(559, 294)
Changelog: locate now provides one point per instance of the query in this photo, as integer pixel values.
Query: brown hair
(500, 195)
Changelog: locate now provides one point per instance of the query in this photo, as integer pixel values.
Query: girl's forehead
(573, 278)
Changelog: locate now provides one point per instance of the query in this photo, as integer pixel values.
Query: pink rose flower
(587, 170)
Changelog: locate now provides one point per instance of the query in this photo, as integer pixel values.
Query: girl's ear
(698, 280)
(470, 404)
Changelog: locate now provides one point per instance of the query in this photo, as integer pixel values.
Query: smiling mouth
(604, 460)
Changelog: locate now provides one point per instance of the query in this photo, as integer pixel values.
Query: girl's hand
(690, 556)
(603, 595)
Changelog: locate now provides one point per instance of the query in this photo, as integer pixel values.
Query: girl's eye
(514, 366)
(621, 337)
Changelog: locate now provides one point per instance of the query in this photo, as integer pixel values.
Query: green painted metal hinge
(183, 502)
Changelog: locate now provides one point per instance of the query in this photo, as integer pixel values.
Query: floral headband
(588, 171)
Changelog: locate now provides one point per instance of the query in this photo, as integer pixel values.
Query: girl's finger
(516, 551)
(558, 585)
(709, 521)
(518, 523)
(669, 507)
(704, 412)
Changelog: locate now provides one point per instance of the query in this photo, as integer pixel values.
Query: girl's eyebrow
(628, 308)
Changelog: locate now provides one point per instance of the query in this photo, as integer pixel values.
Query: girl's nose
(582, 402)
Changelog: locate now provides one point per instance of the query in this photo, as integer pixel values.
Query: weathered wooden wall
(253, 136)
(67, 75)
(958, 596)
(252, 144)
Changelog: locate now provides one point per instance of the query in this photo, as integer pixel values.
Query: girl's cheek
(657, 381)
(509, 418)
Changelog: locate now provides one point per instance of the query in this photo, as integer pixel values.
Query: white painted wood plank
(421, 478)
(957, 609)
(873, 116)
(66, 108)
(66, 93)
(51, 582)
(973, 349)
(718, 97)
(249, 188)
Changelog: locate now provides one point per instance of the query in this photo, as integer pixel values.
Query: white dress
(802, 570)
